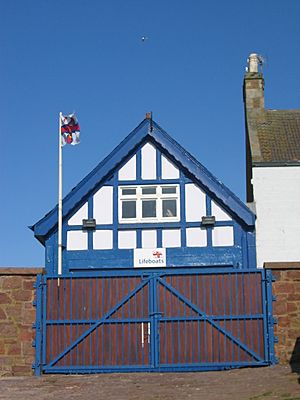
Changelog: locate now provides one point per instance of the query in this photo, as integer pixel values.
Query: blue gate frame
(154, 320)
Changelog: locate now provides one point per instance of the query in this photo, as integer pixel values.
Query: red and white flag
(70, 130)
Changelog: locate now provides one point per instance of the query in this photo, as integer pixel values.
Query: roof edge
(276, 164)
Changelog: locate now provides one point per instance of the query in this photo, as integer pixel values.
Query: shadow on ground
(295, 359)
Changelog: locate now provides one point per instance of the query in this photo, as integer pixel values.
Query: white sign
(149, 258)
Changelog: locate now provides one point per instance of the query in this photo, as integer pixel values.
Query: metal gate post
(152, 309)
(38, 325)
(155, 318)
(271, 320)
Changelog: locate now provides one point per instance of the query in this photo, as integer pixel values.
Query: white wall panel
(148, 154)
(128, 171)
(127, 239)
(77, 240)
(81, 214)
(149, 239)
(102, 239)
(277, 201)
(222, 236)
(168, 170)
(171, 238)
(219, 213)
(196, 237)
(103, 205)
(195, 205)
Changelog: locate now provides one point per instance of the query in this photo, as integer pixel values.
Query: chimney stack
(254, 103)
(254, 85)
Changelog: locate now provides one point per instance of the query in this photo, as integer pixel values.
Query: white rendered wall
(277, 198)
(171, 238)
(149, 239)
(77, 240)
(127, 239)
(148, 161)
(222, 236)
(81, 214)
(168, 170)
(219, 214)
(195, 206)
(196, 237)
(103, 205)
(103, 240)
(128, 171)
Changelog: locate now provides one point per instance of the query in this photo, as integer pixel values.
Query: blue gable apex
(146, 130)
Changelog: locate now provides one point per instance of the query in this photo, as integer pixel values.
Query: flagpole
(59, 238)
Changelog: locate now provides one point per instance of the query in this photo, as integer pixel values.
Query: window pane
(148, 208)
(127, 192)
(169, 208)
(168, 190)
(149, 190)
(129, 209)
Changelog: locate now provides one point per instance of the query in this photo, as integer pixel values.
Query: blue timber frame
(241, 256)
(231, 315)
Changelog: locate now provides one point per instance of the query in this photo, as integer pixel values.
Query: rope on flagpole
(59, 238)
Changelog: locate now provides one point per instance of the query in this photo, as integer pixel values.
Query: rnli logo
(157, 254)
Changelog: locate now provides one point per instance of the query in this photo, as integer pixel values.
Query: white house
(273, 171)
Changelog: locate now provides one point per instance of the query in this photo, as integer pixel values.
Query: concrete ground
(263, 383)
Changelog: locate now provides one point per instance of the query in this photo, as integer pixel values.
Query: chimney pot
(253, 62)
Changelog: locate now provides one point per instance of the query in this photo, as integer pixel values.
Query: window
(152, 203)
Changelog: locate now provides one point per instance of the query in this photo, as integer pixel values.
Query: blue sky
(88, 57)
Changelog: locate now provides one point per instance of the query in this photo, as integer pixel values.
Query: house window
(152, 203)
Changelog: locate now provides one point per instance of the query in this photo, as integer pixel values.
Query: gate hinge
(36, 325)
(33, 343)
(34, 303)
(35, 285)
(274, 298)
(272, 320)
(269, 277)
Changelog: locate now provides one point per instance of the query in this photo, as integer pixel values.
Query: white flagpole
(59, 239)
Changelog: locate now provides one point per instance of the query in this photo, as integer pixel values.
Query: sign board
(145, 258)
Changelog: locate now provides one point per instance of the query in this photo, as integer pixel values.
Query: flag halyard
(70, 130)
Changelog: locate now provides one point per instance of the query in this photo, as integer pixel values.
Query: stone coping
(21, 270)
(282, 265)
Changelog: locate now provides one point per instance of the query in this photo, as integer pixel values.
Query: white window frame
(159, 197)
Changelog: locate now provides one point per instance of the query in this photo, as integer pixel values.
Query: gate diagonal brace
(208, 319)
(98, 323)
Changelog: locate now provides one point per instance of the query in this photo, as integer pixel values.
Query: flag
(70, 130)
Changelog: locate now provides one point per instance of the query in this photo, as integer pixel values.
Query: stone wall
(286, 309)
(17, 314)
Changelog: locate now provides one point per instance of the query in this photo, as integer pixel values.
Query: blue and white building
(150, 203)
(159, 269)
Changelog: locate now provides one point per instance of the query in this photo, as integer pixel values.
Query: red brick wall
(287, 310)
(17, 314)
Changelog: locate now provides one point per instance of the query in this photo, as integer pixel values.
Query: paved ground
(245, 384)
